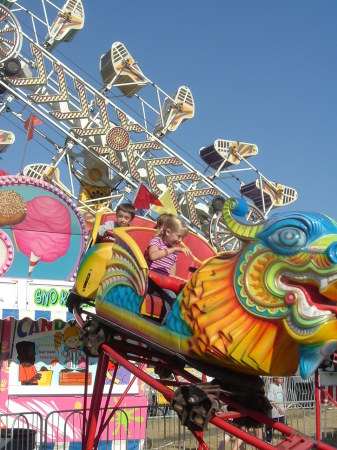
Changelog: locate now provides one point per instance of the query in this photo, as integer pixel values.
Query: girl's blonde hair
(174, 225)
(162, 219)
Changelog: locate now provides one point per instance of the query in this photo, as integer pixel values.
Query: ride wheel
(221, 238)
(10, 35)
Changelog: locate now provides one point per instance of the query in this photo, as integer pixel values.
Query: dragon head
(287, 272)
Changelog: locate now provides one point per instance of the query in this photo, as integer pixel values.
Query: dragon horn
(241, 230)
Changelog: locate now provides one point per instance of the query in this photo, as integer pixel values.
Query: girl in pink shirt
(161, 255)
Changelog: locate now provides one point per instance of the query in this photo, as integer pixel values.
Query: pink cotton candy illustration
(44, 235)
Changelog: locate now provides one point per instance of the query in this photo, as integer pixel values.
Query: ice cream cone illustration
(32, 262)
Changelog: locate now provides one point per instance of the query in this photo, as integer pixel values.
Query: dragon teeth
(307, 310)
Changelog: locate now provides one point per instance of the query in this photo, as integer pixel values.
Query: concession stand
(42, 366)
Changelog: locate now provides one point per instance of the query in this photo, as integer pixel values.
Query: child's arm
(156, 253)
(179, 249)
(108, 226)
(173, 270)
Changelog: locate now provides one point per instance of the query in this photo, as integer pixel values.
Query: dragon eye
(289, 237)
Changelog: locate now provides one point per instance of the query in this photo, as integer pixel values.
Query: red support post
(317, 406)
(96, 399)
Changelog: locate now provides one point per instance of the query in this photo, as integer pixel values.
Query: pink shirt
(162, 265)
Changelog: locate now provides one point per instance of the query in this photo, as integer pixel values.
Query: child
(275, 396)
(125, 213)
(161, 256)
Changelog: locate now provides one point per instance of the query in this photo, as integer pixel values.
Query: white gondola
(268, 194)
(223, 153)
(45, 172)
(119, 69)
(6, 139)
(175, 110)
(66, 25)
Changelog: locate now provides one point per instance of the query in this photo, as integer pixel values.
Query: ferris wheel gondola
(69, 20)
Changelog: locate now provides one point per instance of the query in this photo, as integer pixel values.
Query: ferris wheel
(100, 153)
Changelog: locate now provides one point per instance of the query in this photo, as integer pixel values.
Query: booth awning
(36, 315)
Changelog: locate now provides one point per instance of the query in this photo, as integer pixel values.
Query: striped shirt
(164, 264)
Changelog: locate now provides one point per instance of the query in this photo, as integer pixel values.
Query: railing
(21, 431)
(65, 427)
(61, 430)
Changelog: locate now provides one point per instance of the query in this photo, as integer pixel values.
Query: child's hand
(184, 250)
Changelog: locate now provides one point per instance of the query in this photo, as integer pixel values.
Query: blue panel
(102, 445)
(75, 445)
(42, 315)
(105, 445)
(69, 316)
(10, 313)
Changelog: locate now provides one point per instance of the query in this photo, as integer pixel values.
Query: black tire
(12, 67)
(218, 202)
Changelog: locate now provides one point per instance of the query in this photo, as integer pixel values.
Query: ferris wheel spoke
(222, 236)
(6, 41)
(2, 51)
(10, 35)
(3, 15)
(8, 29)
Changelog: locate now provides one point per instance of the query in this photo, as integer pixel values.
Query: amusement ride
(259, 296)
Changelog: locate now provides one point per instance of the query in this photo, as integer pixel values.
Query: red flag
(30, 124)
(144, 198)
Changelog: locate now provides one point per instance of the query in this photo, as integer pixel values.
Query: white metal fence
(29, 431)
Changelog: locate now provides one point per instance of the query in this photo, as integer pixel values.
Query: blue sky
(260, 71)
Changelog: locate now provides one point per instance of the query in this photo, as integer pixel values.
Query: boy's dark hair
(128, 208)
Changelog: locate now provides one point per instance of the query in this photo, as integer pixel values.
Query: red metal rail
(292, 439)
